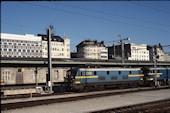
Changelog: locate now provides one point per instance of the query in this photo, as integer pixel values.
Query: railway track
(65, 93)
(31, 102)
(162, 106)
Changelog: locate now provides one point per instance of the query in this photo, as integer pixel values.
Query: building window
(33, 73)
(56, 74)
(5, 46)
(6, 75)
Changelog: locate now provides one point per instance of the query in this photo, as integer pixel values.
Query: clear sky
(145, 22)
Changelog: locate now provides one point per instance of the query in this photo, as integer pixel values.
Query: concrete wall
(9, 74)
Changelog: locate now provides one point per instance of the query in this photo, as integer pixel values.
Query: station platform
(93, 104)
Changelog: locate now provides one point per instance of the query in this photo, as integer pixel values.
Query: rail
(74, 97)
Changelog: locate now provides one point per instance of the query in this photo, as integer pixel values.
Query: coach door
(19, 77)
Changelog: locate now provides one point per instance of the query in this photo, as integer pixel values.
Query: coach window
(107, 72)
(6, 75)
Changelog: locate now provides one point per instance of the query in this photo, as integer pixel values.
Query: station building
(14, 45)
(89, 49)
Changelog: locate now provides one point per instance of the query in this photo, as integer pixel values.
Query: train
(91, 78)
(84, 78)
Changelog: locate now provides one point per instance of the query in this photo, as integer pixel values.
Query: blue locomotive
(81, 78)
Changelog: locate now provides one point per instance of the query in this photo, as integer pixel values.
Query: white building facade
(60, 48)
(92, 50)
(14, 45)
(139, 52)
(158, 51)
(104, 52)
(30, 46)
(167, 57)
(132, 51)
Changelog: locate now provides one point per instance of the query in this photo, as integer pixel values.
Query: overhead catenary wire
(143, 5)
(19, 25)
(92, 16)
(113, 14)
(25, 26)
(35, 28)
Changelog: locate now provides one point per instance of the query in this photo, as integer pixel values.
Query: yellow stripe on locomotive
(82, 77)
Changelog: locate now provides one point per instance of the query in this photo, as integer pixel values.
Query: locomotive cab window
(71, 73)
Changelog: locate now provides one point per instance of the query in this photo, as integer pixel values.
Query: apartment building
(14, 45)
(138, 52)
(60, 48)
(92, 50)
(159, 52)
(167, 56)
(131, 52)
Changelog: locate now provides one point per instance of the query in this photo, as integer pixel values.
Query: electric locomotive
(85, 78)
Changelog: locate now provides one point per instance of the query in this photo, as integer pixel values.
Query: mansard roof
(91, 43)
(53, 38)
